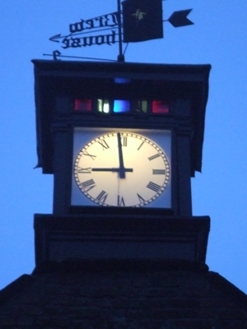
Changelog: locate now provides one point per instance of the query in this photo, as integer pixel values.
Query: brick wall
(167, 298)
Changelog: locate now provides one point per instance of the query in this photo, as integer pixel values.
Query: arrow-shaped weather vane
(179, 18)
(138, 21)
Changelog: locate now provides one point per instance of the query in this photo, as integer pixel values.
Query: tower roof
(56, 78)
(176, 295)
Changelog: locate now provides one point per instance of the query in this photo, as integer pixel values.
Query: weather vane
(138, 20)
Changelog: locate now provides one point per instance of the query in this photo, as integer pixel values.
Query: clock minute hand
(122, 170)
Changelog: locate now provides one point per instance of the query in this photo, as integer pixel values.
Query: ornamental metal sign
(78, 32)
(136, 21)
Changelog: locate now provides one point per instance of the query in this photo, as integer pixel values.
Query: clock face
(121, 168)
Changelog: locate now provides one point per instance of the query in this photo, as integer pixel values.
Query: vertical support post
(61, 137)
(184, 203)
(120, 41)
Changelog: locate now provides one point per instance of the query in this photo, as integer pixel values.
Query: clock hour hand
(112, 169)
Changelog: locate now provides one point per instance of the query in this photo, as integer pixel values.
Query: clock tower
(122, 141)
(121, 248)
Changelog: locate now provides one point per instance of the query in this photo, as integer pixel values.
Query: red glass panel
(160, 107)
(83, 105)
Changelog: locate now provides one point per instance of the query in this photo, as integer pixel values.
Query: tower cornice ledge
(143, 236)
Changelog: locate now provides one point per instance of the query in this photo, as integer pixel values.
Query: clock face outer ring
(122, 169)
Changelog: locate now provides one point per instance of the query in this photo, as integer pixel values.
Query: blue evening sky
(217, 38)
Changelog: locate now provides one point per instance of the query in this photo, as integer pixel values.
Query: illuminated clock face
(123, 169)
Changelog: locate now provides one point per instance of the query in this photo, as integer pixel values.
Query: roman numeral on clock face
(124, 140)
(153, 186)
(87, 154)
(141, 200)
(84, 170)
(101, 197)
(104, 144)
(140, 145)
(154, 156)
(88, 185)
(120, 201)
(159, 171)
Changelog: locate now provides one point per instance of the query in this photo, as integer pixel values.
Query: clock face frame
(121, 167)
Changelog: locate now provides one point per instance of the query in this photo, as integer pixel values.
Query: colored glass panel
(121, 106)
(160, 107)
(103, 105)
(122, 80)
(141, 106)
(83, 105)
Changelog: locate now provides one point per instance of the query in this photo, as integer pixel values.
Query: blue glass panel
(121, 106)
(122, 80)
